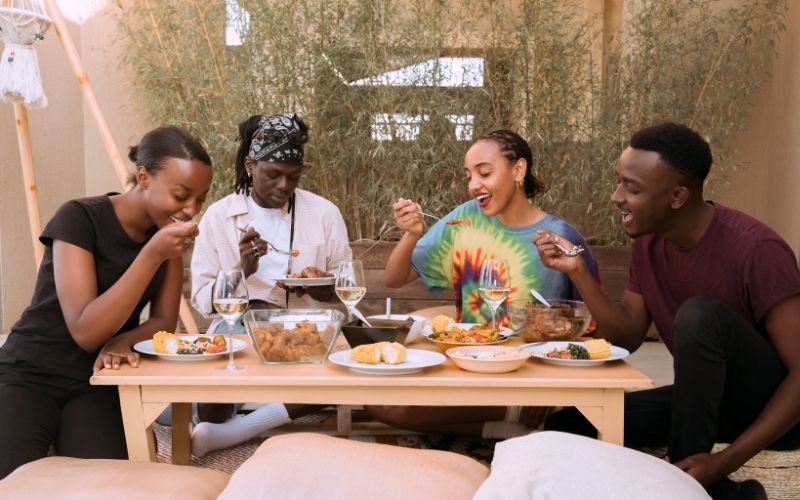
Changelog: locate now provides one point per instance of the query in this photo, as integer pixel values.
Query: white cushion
(555, 465)
(305, 466)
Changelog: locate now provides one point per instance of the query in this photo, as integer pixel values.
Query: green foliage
(575, 91)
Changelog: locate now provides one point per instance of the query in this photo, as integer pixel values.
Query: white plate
(325, 280)
(540, 351)
(146, 347)
(504, 331)
(416, 360)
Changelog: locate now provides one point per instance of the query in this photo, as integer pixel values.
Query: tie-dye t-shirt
(450, 257)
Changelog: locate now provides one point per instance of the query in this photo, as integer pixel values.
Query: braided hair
(513, 147)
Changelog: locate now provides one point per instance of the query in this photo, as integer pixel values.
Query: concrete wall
(71, 161)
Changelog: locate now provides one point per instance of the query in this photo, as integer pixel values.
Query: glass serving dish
(293, 336)
(535, 322)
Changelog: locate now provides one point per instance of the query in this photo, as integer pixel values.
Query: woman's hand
(551, 256)
(116, 350)
(172, 240)
(251, 248)
(406, 219)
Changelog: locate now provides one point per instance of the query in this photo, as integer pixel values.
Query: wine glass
(229, 297)
(495, 284)
(350, 284)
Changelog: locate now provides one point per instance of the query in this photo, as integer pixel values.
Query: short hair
(680, 147)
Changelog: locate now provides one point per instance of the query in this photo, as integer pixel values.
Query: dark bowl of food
(382, 330)
(536, 322)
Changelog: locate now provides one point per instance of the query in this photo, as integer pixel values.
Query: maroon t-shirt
(739, 261)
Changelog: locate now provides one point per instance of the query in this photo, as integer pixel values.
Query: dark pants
(725, 372)
(82, 423)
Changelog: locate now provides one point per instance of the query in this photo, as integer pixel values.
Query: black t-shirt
(40, 343)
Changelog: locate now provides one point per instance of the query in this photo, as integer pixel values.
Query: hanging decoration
(22, 23)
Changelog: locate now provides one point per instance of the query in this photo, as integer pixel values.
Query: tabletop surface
(535, 373)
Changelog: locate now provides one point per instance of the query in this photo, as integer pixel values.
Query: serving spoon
(538, 296)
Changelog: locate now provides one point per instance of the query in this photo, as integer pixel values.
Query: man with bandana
(266, 205)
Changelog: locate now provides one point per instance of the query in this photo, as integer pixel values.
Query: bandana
(279, 139)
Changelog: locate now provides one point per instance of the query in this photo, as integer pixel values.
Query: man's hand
(707, 468)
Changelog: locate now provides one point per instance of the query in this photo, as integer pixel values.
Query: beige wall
(769, 188)
(70, 159)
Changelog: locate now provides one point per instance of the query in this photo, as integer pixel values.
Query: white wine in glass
(350, 283)
(494, 285)
(229, 296)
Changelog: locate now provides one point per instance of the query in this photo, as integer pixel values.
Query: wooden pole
(29, 179)
(100, 121)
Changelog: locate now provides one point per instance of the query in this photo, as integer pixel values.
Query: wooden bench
(612, 261)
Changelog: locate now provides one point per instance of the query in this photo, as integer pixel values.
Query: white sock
(209, 437)
(503, 430)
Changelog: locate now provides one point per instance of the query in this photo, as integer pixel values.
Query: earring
(249, 174)
(519, 183)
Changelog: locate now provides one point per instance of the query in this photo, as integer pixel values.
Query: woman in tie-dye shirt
(502, 223)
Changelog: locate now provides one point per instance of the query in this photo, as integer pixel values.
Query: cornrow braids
(513, 147)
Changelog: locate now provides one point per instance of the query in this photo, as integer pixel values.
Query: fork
(570, 252)
(293, 253)
(427, 215)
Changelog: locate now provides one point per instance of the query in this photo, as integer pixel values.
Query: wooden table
(146, 391)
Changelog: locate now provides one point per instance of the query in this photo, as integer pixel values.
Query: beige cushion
(304, 465)
(83, 479)
(555, 465)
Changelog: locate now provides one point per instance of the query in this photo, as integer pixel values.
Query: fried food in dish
(458, 222)
(478, 334)
(301, 343)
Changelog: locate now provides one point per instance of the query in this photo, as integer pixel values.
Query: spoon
(358, 315)
(538, 296)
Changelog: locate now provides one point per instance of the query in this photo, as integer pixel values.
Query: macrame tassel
(19, 76)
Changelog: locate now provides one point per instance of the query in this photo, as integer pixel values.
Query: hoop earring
(519, 184)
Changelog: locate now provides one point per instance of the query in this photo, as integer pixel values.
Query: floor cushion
(88, 479)
(555, 465)
(306, 465)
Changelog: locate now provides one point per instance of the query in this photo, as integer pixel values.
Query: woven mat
(229, 459)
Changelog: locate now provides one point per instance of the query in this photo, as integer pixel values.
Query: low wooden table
(146, 391)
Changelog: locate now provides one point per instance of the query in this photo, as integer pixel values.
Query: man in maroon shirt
(723, 290)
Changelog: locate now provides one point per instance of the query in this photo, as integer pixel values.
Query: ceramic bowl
(488, 359)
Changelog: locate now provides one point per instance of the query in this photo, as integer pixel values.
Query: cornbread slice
(393, 353)
(166, 342)
(598, 348)
(368, 353)
(442, 323)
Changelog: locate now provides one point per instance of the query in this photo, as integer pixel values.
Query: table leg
(181, 433)
(609, 418)
(140, 446)
(612, 428)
